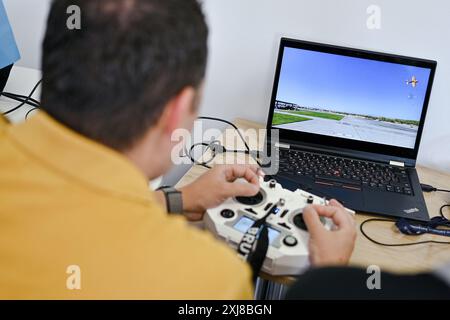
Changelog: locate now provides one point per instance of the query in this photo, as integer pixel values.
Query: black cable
(20, 98)
(215, 143)
(25, 101)
(361, 228)
(216, 148)
(230, 124)
(29, 111)
(441, 210)
(427, 188)
(194, 161)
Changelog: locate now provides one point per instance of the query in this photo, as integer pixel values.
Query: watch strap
(174, 199)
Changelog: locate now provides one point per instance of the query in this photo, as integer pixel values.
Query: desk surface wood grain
(407, 260)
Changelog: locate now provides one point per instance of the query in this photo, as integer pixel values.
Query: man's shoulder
(155, 256)
(196, 258)
(200, 244)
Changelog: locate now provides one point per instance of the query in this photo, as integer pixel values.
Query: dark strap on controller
(255, 244)
(257, 257)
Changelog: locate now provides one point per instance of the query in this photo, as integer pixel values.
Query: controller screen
(245, 223)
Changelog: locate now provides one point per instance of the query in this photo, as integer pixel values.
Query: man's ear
(177, 110)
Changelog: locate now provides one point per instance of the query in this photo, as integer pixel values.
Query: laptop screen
(350, 98)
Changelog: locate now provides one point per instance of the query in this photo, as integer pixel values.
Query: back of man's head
(111, 79)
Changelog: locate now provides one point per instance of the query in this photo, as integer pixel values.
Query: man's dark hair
(111, 79)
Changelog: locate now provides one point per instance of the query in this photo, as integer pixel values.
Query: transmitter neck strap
(255, 243)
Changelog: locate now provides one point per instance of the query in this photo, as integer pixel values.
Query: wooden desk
(411, 259)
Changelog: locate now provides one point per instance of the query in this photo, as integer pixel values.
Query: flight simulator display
(350, 98)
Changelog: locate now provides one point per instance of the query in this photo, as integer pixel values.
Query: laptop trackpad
(350, 198)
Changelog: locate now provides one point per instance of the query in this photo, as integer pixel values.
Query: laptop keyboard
(348, 173)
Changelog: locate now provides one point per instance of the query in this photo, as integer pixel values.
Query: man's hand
(217, 185)
(330, 248)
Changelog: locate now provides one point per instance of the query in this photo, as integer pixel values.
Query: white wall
(244, 41)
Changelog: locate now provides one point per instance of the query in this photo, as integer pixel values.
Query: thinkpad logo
(410, 211)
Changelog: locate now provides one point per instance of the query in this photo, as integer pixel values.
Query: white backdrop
(244, 41)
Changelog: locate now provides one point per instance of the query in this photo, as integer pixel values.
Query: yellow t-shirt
(77, 221)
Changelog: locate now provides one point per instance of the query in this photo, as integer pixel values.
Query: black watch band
(174, 199)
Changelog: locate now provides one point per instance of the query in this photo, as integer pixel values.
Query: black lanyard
(258, 233)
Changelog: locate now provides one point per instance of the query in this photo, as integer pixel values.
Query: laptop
(350, 123)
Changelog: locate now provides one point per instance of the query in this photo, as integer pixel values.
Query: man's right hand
(330, 247)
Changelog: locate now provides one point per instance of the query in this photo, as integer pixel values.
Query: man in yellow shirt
(77, 220)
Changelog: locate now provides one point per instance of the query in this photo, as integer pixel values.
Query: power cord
(217, 148)
(230, 124)
(22, 99)
(425, 188)
(428, 188)
(361, 228)
(29, 112)
(441, 210)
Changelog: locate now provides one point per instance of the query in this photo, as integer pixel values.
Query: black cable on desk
(441, 210)
(427, 188)
(21, 98)
(204, 164)
(29, 112)
(230, 124)
(26, 101)
(216, 144)
(361, 228)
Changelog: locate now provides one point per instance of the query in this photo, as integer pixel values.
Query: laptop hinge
(282, 145)
(397, 164)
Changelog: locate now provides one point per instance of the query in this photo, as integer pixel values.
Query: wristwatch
(174, 199)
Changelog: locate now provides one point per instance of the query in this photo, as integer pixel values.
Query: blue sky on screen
(352, 85)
